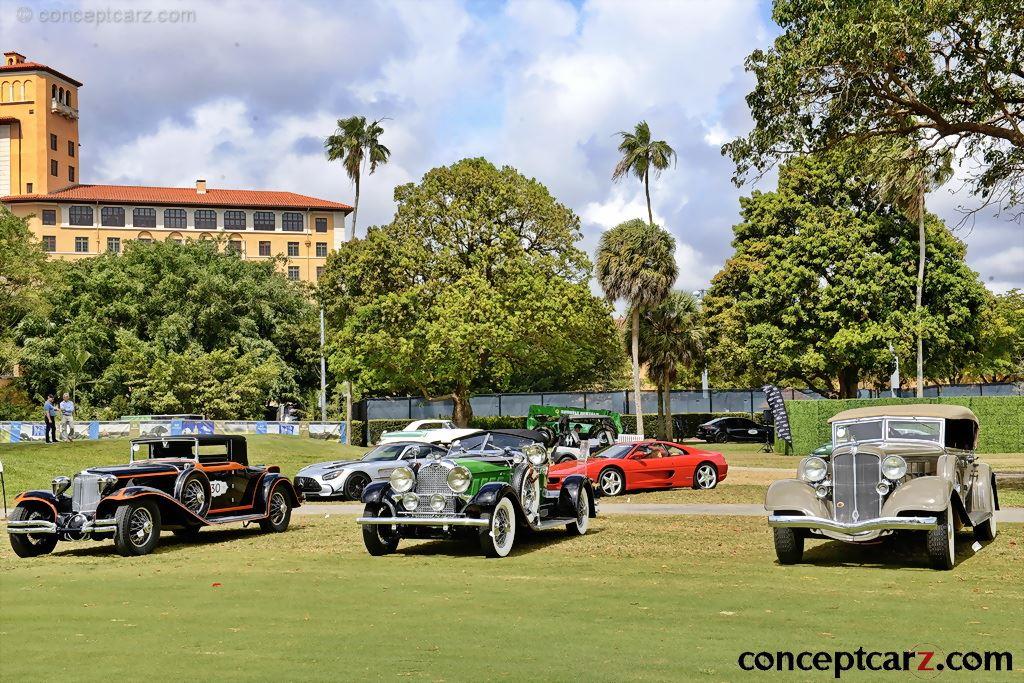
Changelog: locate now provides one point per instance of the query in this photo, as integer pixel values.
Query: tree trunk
(661, 412)
(462, 411)
(668, 410)
(647, 189)
(637, 403)
(355, 209)
(920, 284)
(849, 379)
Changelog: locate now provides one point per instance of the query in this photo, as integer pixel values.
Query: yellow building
(39, 178)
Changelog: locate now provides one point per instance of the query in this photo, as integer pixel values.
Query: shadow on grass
(168, 542)
(893, 552)
(526, 542)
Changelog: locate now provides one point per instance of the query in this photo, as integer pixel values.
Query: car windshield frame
(385, 446)
(885, 433)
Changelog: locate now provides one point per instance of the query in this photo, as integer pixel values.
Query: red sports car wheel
(612, 482)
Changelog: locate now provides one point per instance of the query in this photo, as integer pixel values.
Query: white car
(417, 430)
(346, 479)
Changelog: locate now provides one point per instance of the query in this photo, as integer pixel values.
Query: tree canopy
(22, 274)
(949, 72)
(822, 281)
(475, 285)
(167, 327)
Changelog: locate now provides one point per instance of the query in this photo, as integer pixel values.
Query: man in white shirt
(67, 412)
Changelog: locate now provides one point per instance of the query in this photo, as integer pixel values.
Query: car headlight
(894, 467)
(410, 501)
(333, 475)
(459, 479)
(60, 485)
(402, 479)
(813, 469)
(106, 484)
(437, 502)
(536, 454)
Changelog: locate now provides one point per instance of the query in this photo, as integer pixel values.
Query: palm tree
(73, 361)
(671, 334)
(639, 155)
(355, 143)
(636, 263)
(905, 174)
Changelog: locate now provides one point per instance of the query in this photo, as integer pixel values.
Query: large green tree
(640, 156)
(636, 264)
(165, 328)
(356, 143)
(822, 281)
(1001, 356)
(475, 285)
(22, 284)
(949, 72)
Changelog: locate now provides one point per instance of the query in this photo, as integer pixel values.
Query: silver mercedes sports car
(345, 479)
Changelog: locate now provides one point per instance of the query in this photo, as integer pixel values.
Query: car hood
(143, 467)
(330, 466)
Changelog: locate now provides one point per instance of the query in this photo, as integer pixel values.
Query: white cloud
(716, 135)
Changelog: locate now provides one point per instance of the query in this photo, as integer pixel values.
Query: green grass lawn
(647, 598)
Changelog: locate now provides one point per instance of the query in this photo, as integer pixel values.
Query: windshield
(389, 451)
(870, 430)
(615, 451)
(914, 430)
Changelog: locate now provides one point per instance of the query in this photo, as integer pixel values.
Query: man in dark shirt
(50, 417)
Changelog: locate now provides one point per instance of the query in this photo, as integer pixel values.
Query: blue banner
(94, 430)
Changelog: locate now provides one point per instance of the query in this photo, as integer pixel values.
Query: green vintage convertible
(488, 485)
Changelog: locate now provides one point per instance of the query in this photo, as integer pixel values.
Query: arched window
(176, 238)
(60, 95)
(16, 95)
(234, 243)
(144, 236)
(6, 93)
(53, 92)
(67, 97)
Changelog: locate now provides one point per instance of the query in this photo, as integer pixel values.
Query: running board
(977, 518)
(234, 518)
(551, 523)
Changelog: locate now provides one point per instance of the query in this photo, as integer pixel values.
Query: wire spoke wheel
(194, 496)
(278, 507)
(140, 527)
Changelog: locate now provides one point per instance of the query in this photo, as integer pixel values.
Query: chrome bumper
(424, 521)
(854, 528)
(39, 526)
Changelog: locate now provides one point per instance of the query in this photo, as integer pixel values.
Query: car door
(231, 485)
(742, 429)
(650, 468)
(683, 465)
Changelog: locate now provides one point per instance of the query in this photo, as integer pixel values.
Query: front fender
(489, 494)
(928, 493)
(172, 512)
(377, 492)
(794, 495)
(42, 498)
(569, 496)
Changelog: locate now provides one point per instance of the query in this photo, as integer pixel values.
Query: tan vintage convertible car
(892, 468)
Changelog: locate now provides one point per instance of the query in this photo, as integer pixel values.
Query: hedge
(685, 424)
(1001, 420)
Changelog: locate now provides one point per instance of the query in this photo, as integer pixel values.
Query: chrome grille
(854, 477)
(85, 492)
(432, 478)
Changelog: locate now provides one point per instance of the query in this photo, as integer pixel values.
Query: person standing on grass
(67, 413)
(50, 417)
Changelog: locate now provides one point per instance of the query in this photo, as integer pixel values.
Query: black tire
(582, 523)
(25, 545)
(565, 458)
(528, 490)
(279, 512)
(607, 481)
(986, 531)
(549, 435)
(498, 537)
(187, 533)
(941, 542)
(194, 492)
(705, 476)
(601, 436)
(379, 540)
(137, 528)
(789, 545)
(355, 484)
(721, 437)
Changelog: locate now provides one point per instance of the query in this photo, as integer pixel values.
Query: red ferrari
(624, 467)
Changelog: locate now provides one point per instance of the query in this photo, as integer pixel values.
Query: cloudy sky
(243, 94)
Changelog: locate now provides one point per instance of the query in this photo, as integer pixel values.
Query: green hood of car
(484, 472)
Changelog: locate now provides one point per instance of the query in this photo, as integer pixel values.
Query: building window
(80, 215)
(28, 188)
(112, 216)
(319, 271)
(321, 249)
(144, 218)
(234, 220)
(49, 217)
(264, 248)
(175, 218)
(293, 248)
(114, 245)
(71, 148)
(71, 174)
(176, 238)
(206, 219)
(291, 221)
(293, 272)
(234, 246)
(81, 245)
(53, 141)
(54, 171)
(321, 225)
(264, 220)
(50, 243)
(144, 237)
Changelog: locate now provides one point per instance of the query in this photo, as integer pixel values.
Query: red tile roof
(180, 196)
(34, 66)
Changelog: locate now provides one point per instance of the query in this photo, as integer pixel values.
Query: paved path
(719, 509)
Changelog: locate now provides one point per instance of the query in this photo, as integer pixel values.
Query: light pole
(704, 384)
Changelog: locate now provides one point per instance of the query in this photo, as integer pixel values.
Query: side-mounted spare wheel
(29, 545)
(497, 538)
(526, 484)
(137, 528)
(193, 491)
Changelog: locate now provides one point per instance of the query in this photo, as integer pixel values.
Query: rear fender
(794, 495)
(172, 512)
(273, 481)
(982, 496)
(569, 496)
